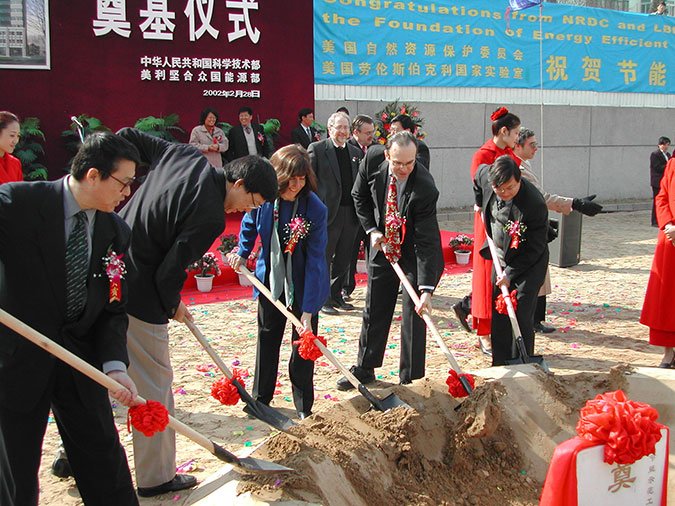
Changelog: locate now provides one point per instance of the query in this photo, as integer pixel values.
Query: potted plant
(250, 264)
(29, 150)
(227, 243)
(164, 128)
(461, 244)
(206, 267)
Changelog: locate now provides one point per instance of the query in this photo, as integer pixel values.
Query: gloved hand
(586, 206)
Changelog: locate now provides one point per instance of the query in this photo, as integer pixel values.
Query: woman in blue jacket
(292, 264)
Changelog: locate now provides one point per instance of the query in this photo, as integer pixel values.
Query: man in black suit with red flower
(247, 138)
(516, 216)
(54, 237)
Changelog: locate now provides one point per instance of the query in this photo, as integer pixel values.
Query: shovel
(523, 357)
(434, 331)
(389, 402)
(246, 464)
(255, 408)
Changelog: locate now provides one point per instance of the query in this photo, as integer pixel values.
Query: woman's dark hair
(504, 118)
(292, 161)
(258, 175)
(7, 118)
(102, 151)
(205, 113)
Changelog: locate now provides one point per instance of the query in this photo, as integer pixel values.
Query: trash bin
(565, 250)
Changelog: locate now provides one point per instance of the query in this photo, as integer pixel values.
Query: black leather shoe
(662, 365)
(461, 315)
(346, 296)
(179, 482)
(483, 349)
(330, 310)
(61, 466)
(404, 381)
(365, 376)
(304, 414)
(345, 306)
(543, 328)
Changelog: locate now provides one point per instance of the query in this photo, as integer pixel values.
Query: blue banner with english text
(470, 43)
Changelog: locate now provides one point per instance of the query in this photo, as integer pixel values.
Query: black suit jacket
(33, 288)
(325, 165)
(299, 136)
(421, 250)
(530, 259)
(657, 164)
(238, 146)
(175, 216)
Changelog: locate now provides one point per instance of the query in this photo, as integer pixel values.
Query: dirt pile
(429, 455)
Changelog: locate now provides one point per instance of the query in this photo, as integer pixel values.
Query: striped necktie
(77, 265)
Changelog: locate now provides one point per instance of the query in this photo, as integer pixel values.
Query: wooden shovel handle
(90, 371)
(298, 324)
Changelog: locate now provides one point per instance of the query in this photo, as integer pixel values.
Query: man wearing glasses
(421, 257)
(175, 216)
(54, 237)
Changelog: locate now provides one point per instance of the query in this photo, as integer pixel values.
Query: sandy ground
(595, 306)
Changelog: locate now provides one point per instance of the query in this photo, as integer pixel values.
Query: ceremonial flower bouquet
(461, 242)
(515, 229)
(206, 265)
(391, 110)
(298, 228)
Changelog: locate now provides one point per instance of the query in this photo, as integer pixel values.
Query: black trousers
(271, 326)
(89, 437)
(655, 192)
(540, 309)
(503, 344)
(341, 233)
(381, 298)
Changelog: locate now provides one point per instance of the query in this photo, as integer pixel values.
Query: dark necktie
(248, 129)
(77, 265)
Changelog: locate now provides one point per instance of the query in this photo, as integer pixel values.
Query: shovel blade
(257, 466)
(389, 402)
(269, 415)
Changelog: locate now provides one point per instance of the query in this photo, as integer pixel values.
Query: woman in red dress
(505, 130)
(658, 304)
(10, 166)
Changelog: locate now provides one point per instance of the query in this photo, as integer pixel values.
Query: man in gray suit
(335, 163)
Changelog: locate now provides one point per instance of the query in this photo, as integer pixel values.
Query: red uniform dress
(10, 169)
(658, 305)
(481, 281)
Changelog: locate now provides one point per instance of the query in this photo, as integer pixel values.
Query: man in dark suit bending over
(54, 239)
(399, 185)
(174, 216)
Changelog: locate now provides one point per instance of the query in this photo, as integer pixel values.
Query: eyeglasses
(253, 204)
(124, 185)
(400, 165)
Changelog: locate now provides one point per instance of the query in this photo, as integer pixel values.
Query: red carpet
(227, 287)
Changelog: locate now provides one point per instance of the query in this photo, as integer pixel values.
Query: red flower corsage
(298, 228)
(261, 138)
(115, 270)
(515, 229)
(502, 111)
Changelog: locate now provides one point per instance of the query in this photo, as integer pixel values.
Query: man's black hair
(102, 151)
(258, 175)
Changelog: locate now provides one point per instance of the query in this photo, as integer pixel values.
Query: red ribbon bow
(148, 418)
(628, 429)
(500, 303)
(306, 347)
(455, 387)
(224, 390)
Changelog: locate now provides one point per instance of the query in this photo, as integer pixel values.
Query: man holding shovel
(516, 219)
(397, 191)
(57, 242)
(175, 216)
